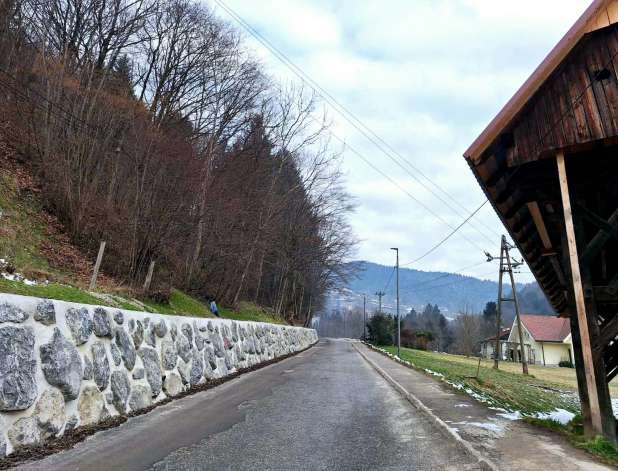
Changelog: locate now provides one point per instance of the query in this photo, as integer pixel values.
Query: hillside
(38, 259)
(451, 292)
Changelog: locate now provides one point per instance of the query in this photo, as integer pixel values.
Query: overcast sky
(427, 76)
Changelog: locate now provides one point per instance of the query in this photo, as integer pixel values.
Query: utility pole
(398, 320)
(507, 266)
(364, 317)
(380, 295)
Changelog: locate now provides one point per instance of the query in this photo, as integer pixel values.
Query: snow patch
(495, 427)
(561, 416)
(515, 415)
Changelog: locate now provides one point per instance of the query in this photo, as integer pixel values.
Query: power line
(411, 196)
(446, 275)
(348, 115)
(448, 236)
(390, 278)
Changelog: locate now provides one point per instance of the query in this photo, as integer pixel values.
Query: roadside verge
(450, 432)
(493, 436)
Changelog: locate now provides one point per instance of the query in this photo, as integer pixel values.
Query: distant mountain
(451, 292)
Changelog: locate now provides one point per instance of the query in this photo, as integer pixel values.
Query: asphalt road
(323, 409)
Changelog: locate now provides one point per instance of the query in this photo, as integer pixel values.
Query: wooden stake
(149, 276)
(97, 265)
(580, 304)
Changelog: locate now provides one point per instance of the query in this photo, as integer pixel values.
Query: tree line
(151, 126)
(429, 329)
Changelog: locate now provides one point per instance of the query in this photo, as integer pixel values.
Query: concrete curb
(465, 445)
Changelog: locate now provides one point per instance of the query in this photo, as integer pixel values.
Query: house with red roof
(547, 340)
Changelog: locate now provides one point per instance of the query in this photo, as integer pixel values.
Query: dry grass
(562, 376)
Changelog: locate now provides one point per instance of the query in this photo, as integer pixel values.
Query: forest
(150, 125)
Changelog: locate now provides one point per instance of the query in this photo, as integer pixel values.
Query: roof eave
(530, 86)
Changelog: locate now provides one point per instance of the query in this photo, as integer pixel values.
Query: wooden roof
(569, 105)
(599, 14)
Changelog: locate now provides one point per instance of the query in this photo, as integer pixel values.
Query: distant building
(547, 339)
(488, 345)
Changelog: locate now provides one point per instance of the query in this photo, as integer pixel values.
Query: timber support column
(600, 423)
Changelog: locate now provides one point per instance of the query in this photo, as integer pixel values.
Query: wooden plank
(587, 98)
(97, 266)
(580, 374)
(560, 94)
(611, 88)
(601, 20)
(580, 304)
(581, 122)
(597, 59)
(557, 119)
(612, 11)
(537, 217)
(549, 123)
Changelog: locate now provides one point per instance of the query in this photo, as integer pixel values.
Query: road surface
(325, 408)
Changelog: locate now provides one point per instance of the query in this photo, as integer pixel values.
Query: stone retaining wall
(63, 365)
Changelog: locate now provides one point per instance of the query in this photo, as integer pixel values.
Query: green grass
(574, 432)
(51, 291)
(250, 312)
(181, 304)
(21, 229)
(511, 391)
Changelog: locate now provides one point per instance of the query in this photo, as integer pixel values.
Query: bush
(380, 328)
(408, 338)
(565, 364)
(161, 295)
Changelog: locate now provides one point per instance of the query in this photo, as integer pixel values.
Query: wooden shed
(548, 163)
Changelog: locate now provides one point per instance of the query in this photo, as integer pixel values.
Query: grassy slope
(506, 389)
(33, 242)
(542, 391)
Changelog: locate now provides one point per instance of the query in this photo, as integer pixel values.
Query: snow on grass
(18, 277)
(561, 416)
(515, 415)
(558, 414)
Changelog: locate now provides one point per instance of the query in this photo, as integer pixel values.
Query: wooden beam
(599, 240)
(537, 217)
(580, 304)
(608, 333)
(602, 224)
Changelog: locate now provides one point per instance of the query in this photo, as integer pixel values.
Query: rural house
(488, 345)
(547, 340)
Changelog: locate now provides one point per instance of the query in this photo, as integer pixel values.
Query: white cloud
(427, 76)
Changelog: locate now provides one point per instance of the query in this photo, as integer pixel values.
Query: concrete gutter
(449, 432)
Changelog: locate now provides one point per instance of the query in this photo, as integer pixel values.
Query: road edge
(465, 445)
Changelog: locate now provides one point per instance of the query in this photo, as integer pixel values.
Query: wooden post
(522, 345)
(97, 265)
(149, 276)
(580, 304)
(497, 352)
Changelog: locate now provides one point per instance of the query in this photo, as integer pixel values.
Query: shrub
(380, 328)
(565, 364)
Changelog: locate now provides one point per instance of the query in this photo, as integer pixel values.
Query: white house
(547, 340)
(488, 345)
